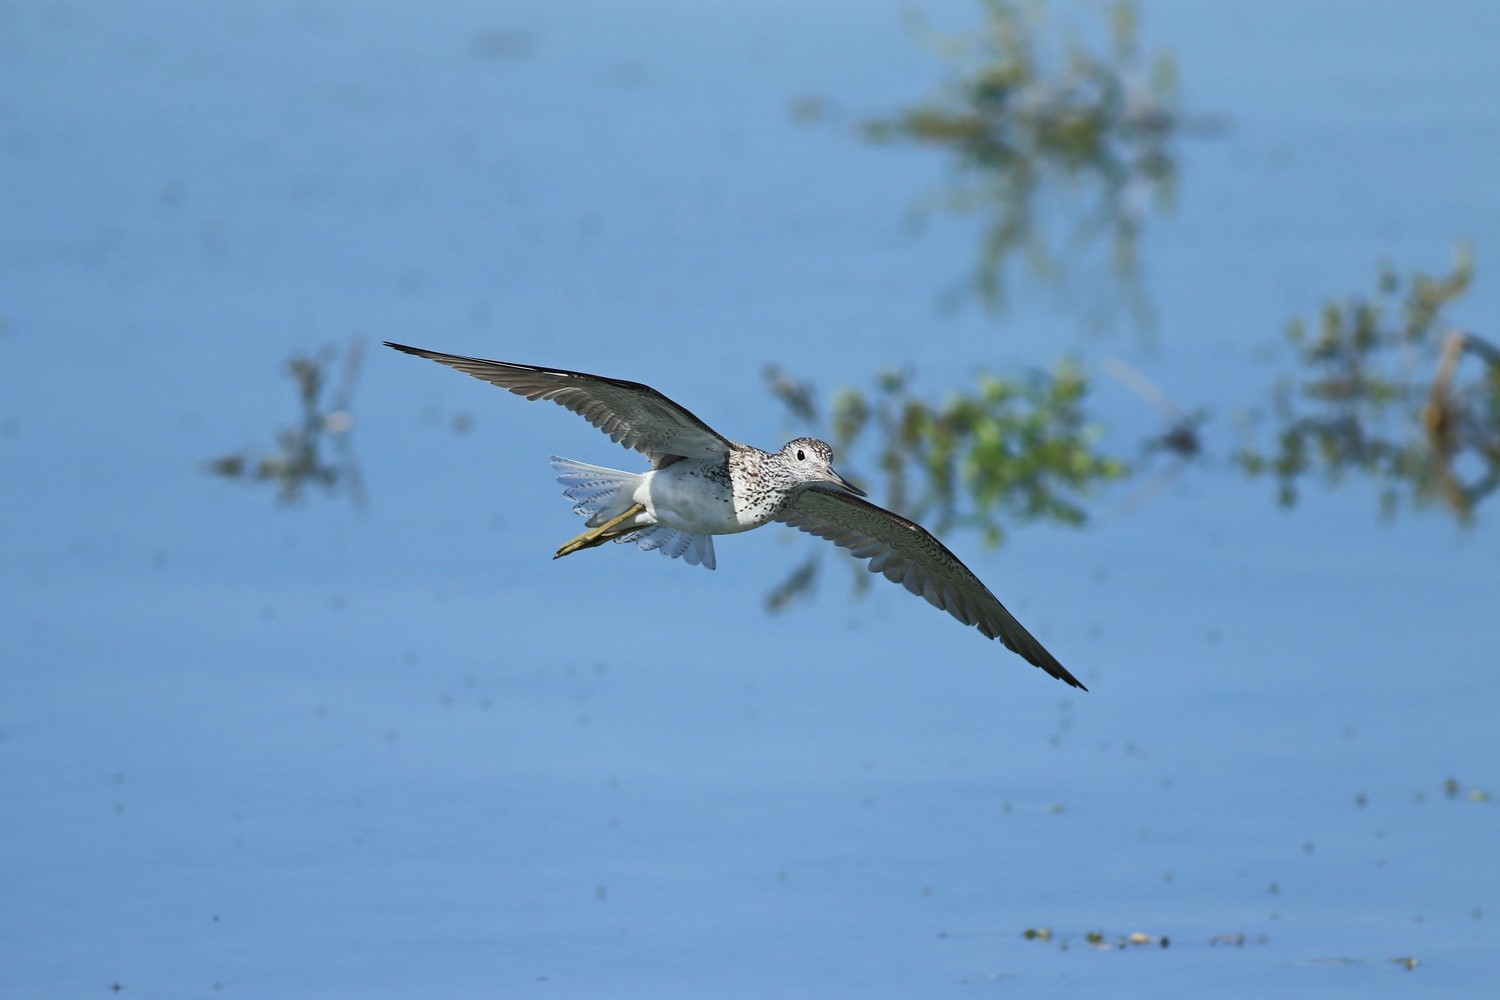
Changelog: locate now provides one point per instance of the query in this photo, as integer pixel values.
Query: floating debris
(1454, 789)
(1100, 940)
(1407, 962)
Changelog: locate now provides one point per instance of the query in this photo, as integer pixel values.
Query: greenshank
(702, 484)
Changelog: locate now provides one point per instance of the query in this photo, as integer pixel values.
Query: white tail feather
(600, 494)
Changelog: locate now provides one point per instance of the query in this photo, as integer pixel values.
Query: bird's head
(811, 461)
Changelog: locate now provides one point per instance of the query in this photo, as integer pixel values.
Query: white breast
(690, 496)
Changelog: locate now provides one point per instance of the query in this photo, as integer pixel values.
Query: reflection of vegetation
(1033, 125)
(299, 461)
(1013, 449)
(1181, 441)
(1384, 390)
(1386, 395)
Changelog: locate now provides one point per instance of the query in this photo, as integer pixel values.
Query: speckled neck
(763, 485)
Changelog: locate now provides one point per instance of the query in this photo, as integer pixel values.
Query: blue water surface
(377, 743)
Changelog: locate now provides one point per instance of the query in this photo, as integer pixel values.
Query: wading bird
(702, 484)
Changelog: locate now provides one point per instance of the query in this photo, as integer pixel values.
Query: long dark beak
(841, 481)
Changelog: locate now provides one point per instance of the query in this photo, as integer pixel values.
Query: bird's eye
(801, 457)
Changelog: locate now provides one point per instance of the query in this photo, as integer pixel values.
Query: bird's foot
(608, 531)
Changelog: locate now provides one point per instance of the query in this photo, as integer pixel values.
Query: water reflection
(1182, 439)
(1010, 450)
(1387, 390)
(1061, 150)
(1180, 442)
(300, 460)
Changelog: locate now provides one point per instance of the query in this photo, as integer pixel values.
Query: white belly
(687, 495)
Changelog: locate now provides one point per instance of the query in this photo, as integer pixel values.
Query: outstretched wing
(632, 414)
(908, 554)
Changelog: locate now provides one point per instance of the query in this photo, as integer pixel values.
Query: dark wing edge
(615, 406)
(908, 554)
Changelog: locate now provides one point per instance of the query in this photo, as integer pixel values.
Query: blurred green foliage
(1059, 146)
(1383, 389)
(1387, 390)
(1009, 450)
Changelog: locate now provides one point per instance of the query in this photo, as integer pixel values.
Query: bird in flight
(702, 484)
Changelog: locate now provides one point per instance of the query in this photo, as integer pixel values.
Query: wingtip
(1061, 673)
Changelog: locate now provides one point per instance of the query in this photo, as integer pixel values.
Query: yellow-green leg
(606, 531)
